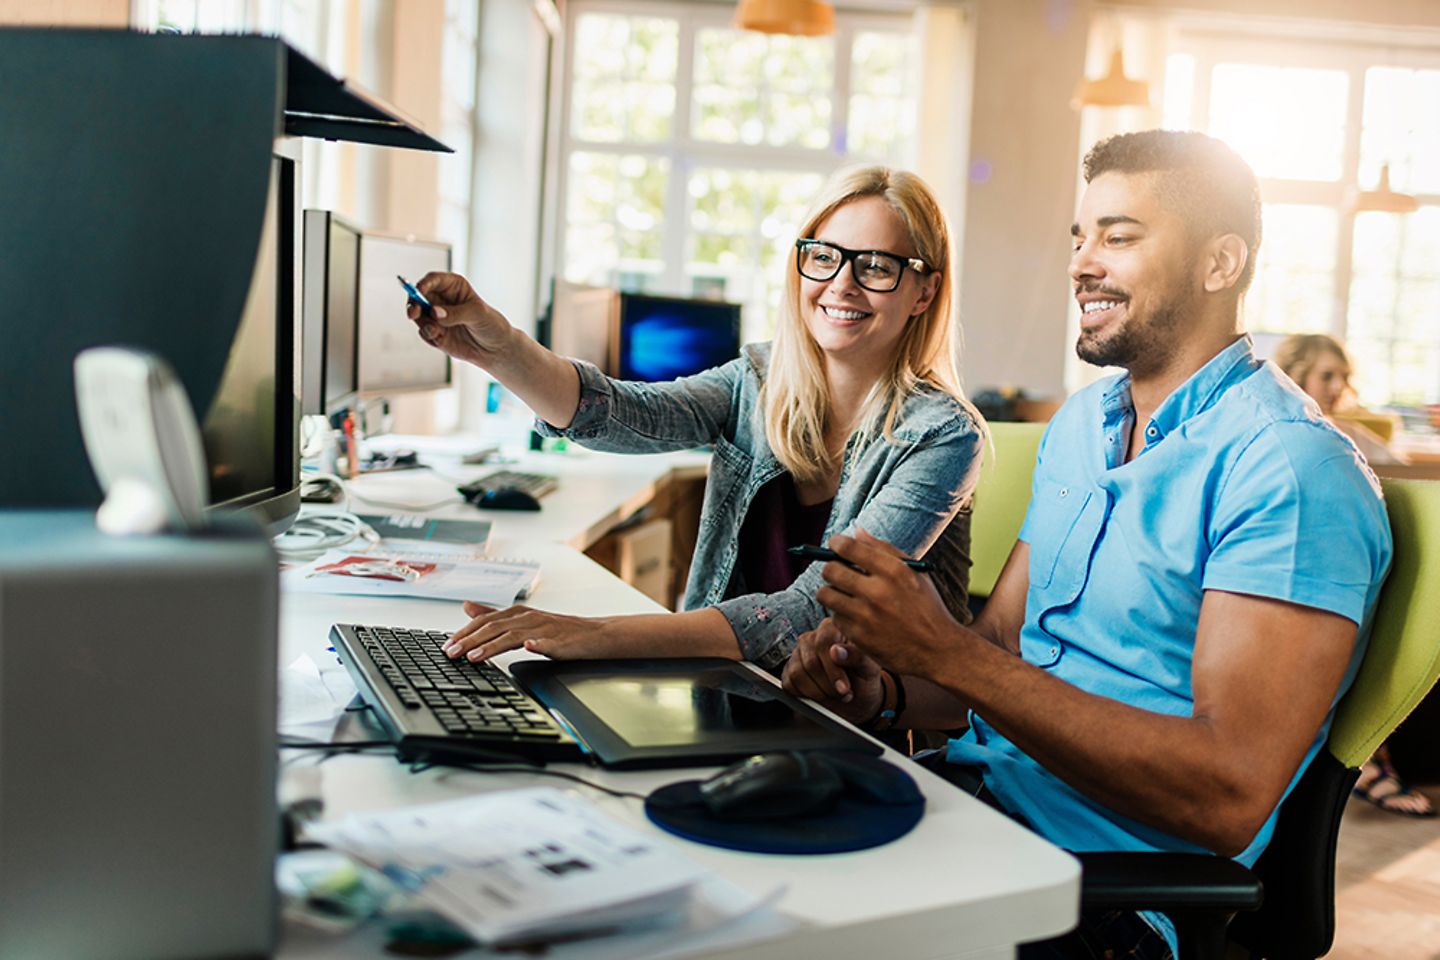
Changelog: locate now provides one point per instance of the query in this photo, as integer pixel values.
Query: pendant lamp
(805, 18)
(1112, 90)
(1383, 199)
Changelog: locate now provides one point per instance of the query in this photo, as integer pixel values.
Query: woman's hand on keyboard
(491, 631)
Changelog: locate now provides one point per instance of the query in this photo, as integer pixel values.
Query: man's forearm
(1170, 772)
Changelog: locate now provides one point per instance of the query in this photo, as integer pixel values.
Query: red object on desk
(352, 454)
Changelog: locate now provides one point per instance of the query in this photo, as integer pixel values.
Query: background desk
(967, 882)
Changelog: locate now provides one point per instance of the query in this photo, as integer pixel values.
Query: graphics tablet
(681, 712)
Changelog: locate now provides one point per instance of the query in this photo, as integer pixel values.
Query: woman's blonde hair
(795, 397)
(1297, 354)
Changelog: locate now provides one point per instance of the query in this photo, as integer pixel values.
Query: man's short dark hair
(1215, 190)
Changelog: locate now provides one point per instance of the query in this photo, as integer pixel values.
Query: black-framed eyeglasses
(874, 270)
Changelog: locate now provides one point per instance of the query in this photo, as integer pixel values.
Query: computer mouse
(506, 498)
(871, 779)
(771, 786)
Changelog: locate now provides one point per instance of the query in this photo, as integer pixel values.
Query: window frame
(1211, 47)
(685, 154)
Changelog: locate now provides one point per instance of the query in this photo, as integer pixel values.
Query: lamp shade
(806, 18)
(1112, 90)
(1383, 199)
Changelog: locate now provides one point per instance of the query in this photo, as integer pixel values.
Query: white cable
(311, 535)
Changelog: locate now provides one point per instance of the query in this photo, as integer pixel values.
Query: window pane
(1393, 321)
(882, 111)
(1179, 91)
(754, 88)
(614, 217)
(1288, 122)
(1401, 127)
(1294, 284)
(624, 78)
(743, 224)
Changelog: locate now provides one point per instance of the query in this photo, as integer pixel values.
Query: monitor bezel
(276, 506)
(315, 389)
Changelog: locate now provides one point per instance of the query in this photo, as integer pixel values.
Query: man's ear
(929, 286)
(1225, 260)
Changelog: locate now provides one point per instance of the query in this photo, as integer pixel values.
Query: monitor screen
(250, 430)
(661, 338)
(392, 357)
(331, 313)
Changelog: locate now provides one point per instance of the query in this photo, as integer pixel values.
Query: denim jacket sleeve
(915, 500)
(623, 416)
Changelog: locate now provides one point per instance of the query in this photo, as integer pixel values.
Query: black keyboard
(439, 710)
(535, 484)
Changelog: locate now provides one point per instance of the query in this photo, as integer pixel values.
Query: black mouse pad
(855, 822)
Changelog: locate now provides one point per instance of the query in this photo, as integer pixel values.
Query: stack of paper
(523, 865)
(429, 573)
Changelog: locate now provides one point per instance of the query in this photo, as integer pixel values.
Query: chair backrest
(1401, 665)
(1002, 496)
(1403, 661)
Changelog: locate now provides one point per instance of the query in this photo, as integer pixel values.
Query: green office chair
(1296, 920)
(1002, 495)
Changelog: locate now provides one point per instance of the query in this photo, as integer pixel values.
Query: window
(689, 150)
(1317, 122)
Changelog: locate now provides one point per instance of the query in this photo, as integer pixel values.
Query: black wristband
(885, 717)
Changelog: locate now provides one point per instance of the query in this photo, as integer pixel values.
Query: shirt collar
(1204, 387)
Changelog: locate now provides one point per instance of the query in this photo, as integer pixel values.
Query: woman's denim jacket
(909, 493)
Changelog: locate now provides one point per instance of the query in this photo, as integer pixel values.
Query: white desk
(597, 491)
(967, 882)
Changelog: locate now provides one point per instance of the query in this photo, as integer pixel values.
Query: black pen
(811, 552)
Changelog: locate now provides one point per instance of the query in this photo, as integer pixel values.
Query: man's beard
(1138, 346)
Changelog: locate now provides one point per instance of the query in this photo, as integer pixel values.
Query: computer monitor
(251, 429)
(330, 316)
(661, 338)
(392, 357)
(582, 321)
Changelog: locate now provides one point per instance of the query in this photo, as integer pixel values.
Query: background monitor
(392, 357)
(581, 322)
(251, 429)
(331, 312)
(661, 338)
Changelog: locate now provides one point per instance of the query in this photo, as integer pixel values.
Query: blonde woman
(852, 417)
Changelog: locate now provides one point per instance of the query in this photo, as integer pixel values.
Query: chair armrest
(1166, 882)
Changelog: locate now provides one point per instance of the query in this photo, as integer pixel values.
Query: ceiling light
(806, 18)
(1112, 90)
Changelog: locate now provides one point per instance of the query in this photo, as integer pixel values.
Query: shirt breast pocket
(1054, 512)
(729, 469)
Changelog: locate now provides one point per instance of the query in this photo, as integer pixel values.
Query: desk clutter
(534, 866)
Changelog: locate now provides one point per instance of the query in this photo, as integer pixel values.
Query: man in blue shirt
(1192, 589)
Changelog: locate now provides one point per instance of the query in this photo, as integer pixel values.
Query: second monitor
(637, 336)
(392, 357)
(662, 338)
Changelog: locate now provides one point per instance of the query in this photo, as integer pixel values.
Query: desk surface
(596, 492)
(967, 882)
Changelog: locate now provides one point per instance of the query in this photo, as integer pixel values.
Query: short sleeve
(1300, 518)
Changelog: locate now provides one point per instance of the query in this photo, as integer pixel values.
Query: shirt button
(1064, 492)
(1151, 432)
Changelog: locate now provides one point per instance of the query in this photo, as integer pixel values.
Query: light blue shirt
(1242, 486)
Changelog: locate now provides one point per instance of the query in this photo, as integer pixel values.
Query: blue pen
(415, 296)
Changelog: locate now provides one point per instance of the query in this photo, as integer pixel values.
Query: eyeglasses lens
(873, 271)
